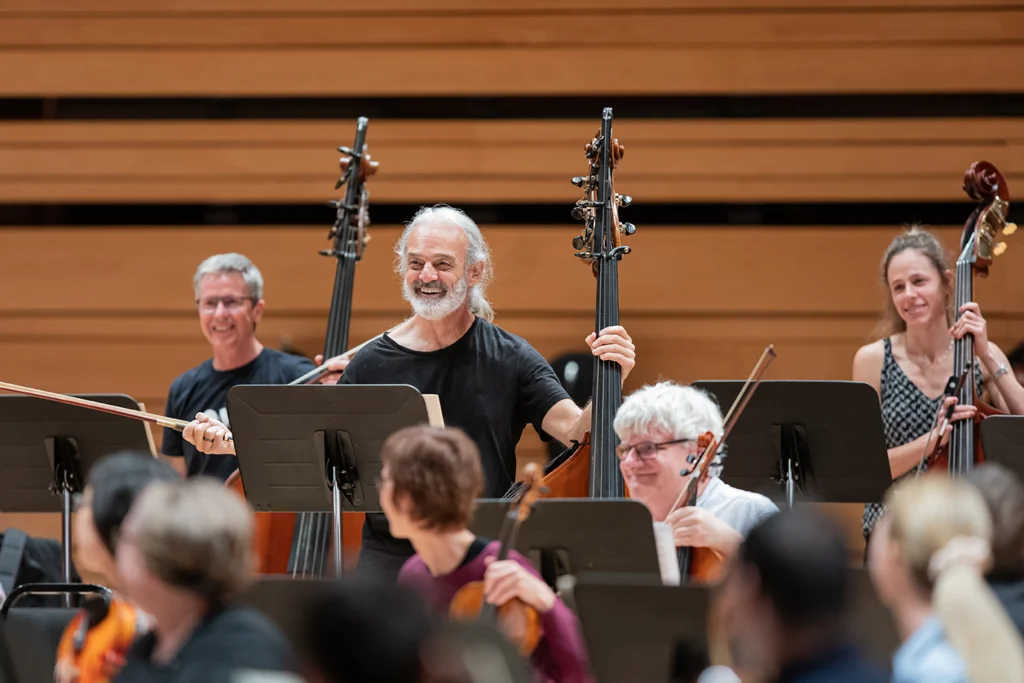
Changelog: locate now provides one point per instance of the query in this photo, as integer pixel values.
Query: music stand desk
(823, 439)
(47, 450)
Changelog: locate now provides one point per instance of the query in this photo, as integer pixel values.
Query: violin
(96, 641)
(518, 621)
(302, 544)
(984, 184)
(590, 469)
(706, 565)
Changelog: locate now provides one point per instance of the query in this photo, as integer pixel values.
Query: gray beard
(430, 308)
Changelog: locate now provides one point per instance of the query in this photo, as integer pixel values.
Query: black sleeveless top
(906, 414)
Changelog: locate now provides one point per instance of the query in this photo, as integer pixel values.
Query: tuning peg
(1009, 228)
(578, 243)
(623, 199)
(577, 213)
(999, 249)
(579, 180)
(628, 228)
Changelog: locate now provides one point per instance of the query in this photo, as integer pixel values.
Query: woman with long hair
(912, 362)
(927, 560)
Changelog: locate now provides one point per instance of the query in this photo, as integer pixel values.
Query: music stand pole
(337, 521)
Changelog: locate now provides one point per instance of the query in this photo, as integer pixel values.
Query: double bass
(590, 469)
(300, 544)
(978, 248)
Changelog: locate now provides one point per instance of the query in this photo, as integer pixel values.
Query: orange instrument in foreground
(591, 469)
(520, 622)
(984, 184)
(95, 642)
(704, 565)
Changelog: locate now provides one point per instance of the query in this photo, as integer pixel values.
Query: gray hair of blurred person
(197, 535)
(231, 263)
(477, 251)
(677, 411)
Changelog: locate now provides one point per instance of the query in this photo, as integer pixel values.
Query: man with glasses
(658, 428)
(229, 298)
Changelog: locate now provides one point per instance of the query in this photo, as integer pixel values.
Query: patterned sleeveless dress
(906, 414)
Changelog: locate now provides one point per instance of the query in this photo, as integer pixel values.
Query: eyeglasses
(645, 450)
(231, 303)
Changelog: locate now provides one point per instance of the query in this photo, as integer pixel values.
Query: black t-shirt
(205, 390)
(231, 640)
(490, 384)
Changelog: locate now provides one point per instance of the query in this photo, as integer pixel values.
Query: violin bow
(731, 418)
(161, 420)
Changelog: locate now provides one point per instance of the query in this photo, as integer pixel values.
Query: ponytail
(975, 622)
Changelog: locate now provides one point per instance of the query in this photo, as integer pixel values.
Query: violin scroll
(531, 490)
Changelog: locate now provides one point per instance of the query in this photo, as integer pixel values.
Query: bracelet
(1003, 370)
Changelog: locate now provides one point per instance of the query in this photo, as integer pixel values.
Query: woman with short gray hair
(659, 427)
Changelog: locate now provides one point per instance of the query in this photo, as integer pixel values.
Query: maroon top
(560, 657)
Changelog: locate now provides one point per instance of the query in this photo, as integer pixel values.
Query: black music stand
(26, 656)
(283, 601)
(823, 438)
(294, 442)
(1002, 440)
(47, 450)
(638, 630)
(869, 623)
(579, 535)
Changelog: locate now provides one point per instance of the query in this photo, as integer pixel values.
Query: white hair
(677, 411)
(477, 251)
(231, 263)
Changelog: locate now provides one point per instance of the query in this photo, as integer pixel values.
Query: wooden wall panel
(720, 26)
(761, 271)
(493, 71)
(486, 161)
(501, 48)
(426, 7)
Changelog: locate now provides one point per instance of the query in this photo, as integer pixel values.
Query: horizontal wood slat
(726, 26)
(171, 7)
(481, 161)
(496, 70)
(679, 271)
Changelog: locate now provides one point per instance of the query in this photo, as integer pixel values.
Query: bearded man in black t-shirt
(229, 298)
(490, 383)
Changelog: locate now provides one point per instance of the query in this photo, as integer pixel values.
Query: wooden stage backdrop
(95, 306)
